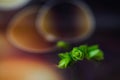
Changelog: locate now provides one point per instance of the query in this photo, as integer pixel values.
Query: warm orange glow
(5, 48)
(27, 69)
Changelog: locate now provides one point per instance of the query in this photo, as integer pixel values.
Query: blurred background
(23, 39)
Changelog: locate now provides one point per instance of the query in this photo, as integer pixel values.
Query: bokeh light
(12, 4)
(27, 69)
(68, 21)
(22, 33)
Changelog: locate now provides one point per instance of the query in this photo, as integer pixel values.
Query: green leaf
(84, 49)
(93, 47)
(96, 55)
(65, 60)
(62, 44)
(77, 54)
(62, 55)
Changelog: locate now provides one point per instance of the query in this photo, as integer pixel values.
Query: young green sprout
(80, 53)
(65, 60)
(77, 54)
(62, 44)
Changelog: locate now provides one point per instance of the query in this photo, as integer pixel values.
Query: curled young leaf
(77, 54)
(84, 49)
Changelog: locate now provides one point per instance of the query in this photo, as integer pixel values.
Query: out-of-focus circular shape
(67, 21)
(27, 69)
(12, 4)
(22, 33)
